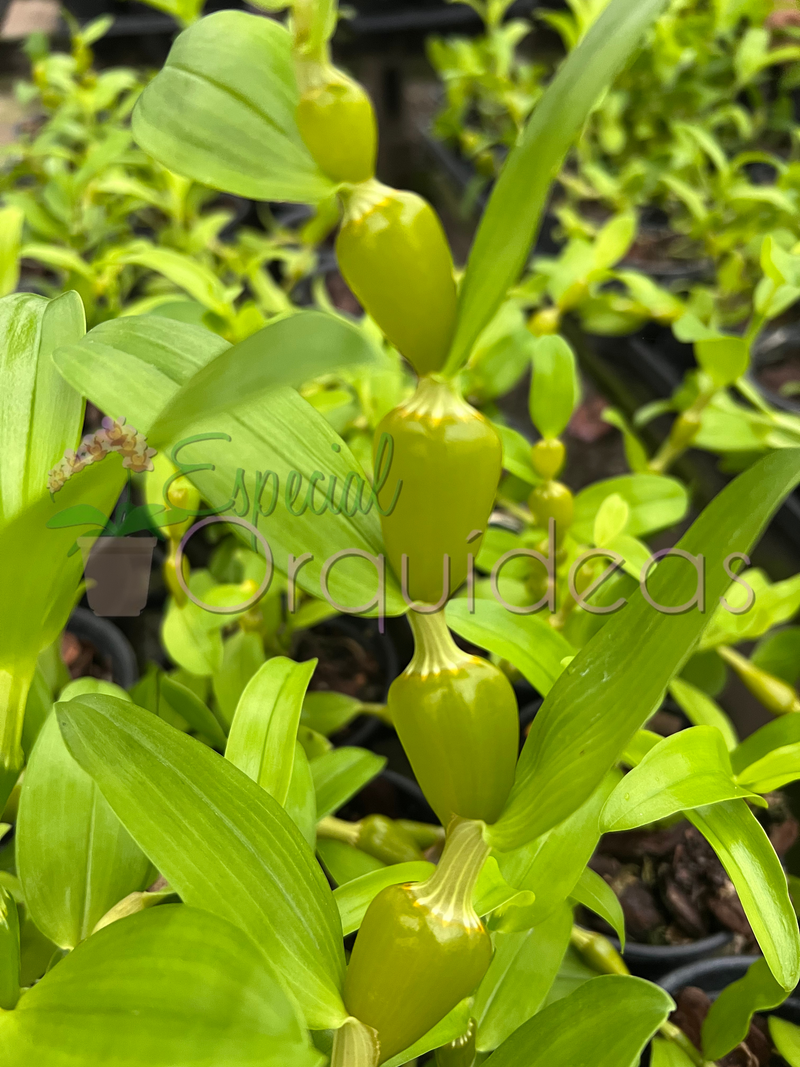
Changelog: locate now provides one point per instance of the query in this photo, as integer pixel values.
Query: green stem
(448, 891)
(339, 830)
(14, 686)
(434, 648)
(355, 1045)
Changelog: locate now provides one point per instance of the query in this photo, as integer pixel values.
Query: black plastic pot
(712, 976)
(655, 961)
(109, 641)
(772, 347)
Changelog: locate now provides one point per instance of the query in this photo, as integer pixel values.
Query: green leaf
(75, 859)
(654, 502)
(301, 803)
(770, 757)
(191, 708)
(9, 950)
(289, 351)
(779, 654)
(46, 416)
(690, 769)
(222, 111)
(724, 359)
(668, 1054)
(510, 220)
(355, 896)
(519, 977)
(264, 729)
(169, 985)
(198, 280)
(596, 894)
(220, 840)
(729, 1017)
(606, 1022)
(554, 386)
(528, 641)
(786, 1037)
(11, 222)
(242, 658)
(327, 712)
(551, 865)
(747, 855)
(341, 773)
(136, 365)
(344, 862)
(617, 680)
(187, 640)
(701, 710)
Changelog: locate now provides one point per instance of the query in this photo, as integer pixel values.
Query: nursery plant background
(225, 344)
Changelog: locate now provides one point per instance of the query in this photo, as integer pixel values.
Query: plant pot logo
(117, 559)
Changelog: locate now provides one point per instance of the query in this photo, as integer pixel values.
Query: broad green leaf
(701, 710)
(606, 1022)
(779, 654)
(191, 708)
(264, 729)
(724, 359)
(453, 1025)
(326, 711)
(772, 603)
(301, 803)
(75, 859)
(519, 977)
(242, 658)
(688, 770)
(354, 897)
(787, 1039)
(344, 862)
(134, 366)
(511, 218)
(9, 950)
(616, 681)
(169, 985)
(11, 222)
(611, 520)
(188, 642)
(729, 1018)
(654, 502)
(198, 280)
(340, 774)
(220, 840)
(770, 757)
(222, 111)
(747, 855)
(40, 415)
(554, 385)
(492, 893)
(528, 641)
(551, 865)
(289, 351)
(667, 1054)
(84, 686)
(596, 894)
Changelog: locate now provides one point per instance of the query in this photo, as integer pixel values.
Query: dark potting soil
(756, 1050)
(673, 889)
(785, 372)
(346, 663)
(84, 660)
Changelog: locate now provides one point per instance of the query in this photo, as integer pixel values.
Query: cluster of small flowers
(114, 436)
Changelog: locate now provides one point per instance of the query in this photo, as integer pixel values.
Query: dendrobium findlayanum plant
(243, 959)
